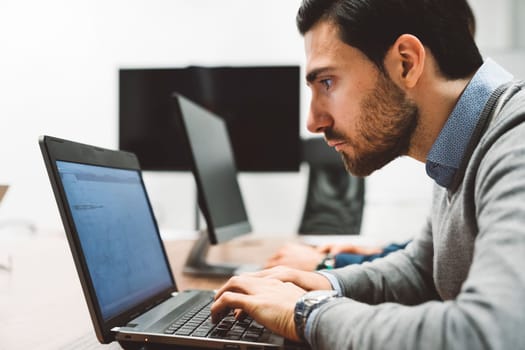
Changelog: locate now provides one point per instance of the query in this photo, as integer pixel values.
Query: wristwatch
(328, 263)
(309, 302)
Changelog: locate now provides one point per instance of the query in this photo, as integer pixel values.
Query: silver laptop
(121, 261)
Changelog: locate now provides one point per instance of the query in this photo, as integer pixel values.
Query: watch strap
(306, 304)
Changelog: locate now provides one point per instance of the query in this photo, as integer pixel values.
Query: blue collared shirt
(447, 152)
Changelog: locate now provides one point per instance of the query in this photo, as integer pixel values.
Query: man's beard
(384, 129)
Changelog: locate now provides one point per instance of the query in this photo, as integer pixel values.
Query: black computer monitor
(260, 105)
(219, 193)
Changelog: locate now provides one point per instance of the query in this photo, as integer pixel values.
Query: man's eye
(327, 83)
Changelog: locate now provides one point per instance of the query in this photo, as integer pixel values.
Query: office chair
(335, 199)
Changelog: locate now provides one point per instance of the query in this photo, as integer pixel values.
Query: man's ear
(405, 61)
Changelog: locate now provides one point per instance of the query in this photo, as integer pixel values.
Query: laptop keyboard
(197, 323)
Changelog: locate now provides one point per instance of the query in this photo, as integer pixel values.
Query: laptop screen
(116, 229)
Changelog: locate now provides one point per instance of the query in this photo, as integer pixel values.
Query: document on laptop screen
(115, 225)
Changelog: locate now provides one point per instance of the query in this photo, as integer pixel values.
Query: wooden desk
(42, 305)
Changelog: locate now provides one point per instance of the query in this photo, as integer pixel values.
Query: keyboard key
(200, 333)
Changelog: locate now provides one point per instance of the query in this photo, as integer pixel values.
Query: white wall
(58, 76)
(500, 32)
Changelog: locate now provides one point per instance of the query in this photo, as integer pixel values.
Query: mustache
(333, 135)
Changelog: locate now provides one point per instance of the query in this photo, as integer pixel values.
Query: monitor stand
(197, 265)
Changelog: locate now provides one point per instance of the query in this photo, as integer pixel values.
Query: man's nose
(318, 119)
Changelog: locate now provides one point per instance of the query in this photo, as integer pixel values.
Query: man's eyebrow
(312, 76)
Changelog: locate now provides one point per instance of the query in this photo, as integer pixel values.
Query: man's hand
(268, 296)
(268, 301)
(298, 256)
(306, 257)
(349, 248)
(303, 279)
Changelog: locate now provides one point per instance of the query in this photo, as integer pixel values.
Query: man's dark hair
(445, 27)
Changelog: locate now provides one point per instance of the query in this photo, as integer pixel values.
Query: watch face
(320, 294)
(317, 296)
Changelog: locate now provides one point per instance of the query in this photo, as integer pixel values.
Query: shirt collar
(448, 150)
